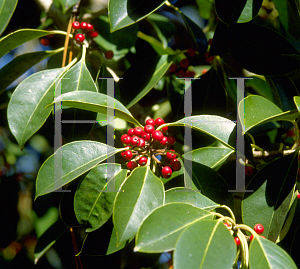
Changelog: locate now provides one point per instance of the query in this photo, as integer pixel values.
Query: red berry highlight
(76, 25)
(150, 122)
(259, 228)
(237, 241)
(157, 135)
(166, 172)
(79, 38)
(83, 25)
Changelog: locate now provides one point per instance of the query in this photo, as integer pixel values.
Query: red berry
(150, 122)
(166, 172)
(157, 135)
(259, 228)
(126, 139)
(146, 136)
(131, 165)
(189, 74)
(180, 74)
(164, 141)
(248, 170)
(173, 68)
(209, 41)
(130, 131)
(109, 54)
(45, 41)
(210, 59)
(149, 129)
(184, 63)
(79, 38)
(164, 129)
(143, 161)
(191, 52)
(237, 241)
(141, 143)
(127, 155)
(227, 225)
(159, 121)
(262, 237)
(76, 25)
(134, 140)
(93, 34)
(176, 165)
(171, 140)
(170, 155)
(138, 131)
(83, 25)
(89, 27)
(298, 195)
(203, 71)
(251, 237)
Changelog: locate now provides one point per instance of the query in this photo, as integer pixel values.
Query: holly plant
(169, 137)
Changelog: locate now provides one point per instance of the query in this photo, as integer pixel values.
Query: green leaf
(229, 11)
(250, 10)
(20, 64)
(142, 193)
(297, 102)
(27, 111)
(68, 3)
(255, 110)
(218, 127)
(185, 195)
(162, 228)
(123, 13)
(7, 8)
(76, 158)
(48, 239)
(113, 246)
(273, 188)
(152, 69)
(205, 244)
(17, 38)
(265, 254)
(96, 102)
(93, 204)
(210, 156)
(204, 7)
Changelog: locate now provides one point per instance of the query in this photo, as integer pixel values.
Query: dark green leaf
(126, 12)
(250, 10)
(93, 203)
(229, 11)
(76, 158)
(204, 7)
(7, 8)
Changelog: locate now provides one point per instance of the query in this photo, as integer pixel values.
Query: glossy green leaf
(218, 127)
(162, 228)
(113, 246)
(189, 196)
(68, 3)
(250, 10)
(7, 8)
(76, 158)
(17, 38)
(27, 111)
(229, 11)
(48, 239)
(126, 12)
(93, 203)
(255, 110)
(96, 102)
(273, 188)
(20, 64)
(210, 156)
(265, 254)
(152, 69)
(205, 244)
(297, 102)
(142, 193)
(204, 7)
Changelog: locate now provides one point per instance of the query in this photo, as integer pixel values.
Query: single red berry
(150, 122)
(157, 135)
(164, 129)
(83, 25)
(259, 228)
(109, 54)
(184, 63)
(248, 170)
(89, 27)
(191, 52)
(134, 140)
(126, 139)
(127, 155)
(206, 54)
(146, 136)
(203, 71)
(298, 195)
(138, 131)
(166, 172)
(159, 121)
(180, 73)
(210, 59)
(227, 225)
(45, 41)
(189, 74)
(262, 237)
(143, 161)
(76, 25)
(176, 165)
(173, 68)
(149, 129)
(93, 34)
(170, 155)
(251, 237)
(131, 165)
(171, 140)
(141, 143)
(209, 41)
(164, 141)
(237, 241)
(79, 38)
(130, 131)
(290, 133)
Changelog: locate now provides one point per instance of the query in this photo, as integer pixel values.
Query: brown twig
(75, 249)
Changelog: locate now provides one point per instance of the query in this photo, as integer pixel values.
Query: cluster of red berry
(143, 143)
(182, 69)
(85, 28)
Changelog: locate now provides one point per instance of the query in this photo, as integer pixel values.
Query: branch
(259, 154)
